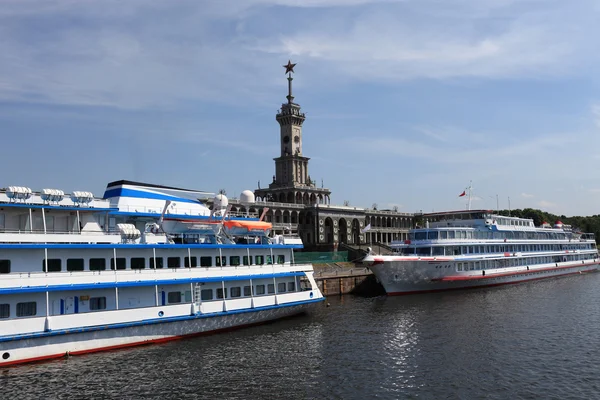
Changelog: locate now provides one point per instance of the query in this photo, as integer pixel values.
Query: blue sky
(406, 101)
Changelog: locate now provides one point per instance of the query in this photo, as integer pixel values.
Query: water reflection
(536, 340)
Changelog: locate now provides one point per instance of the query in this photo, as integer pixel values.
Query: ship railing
(151, 274)
(56, 232)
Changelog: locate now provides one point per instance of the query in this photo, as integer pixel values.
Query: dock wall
(359, 281)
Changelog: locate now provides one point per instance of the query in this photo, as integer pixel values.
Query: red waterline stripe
(483, 285)
(141, 343)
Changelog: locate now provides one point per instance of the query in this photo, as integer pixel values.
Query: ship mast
(470, 189)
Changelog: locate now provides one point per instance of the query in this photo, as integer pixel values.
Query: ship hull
(422, 276)
(56, 344)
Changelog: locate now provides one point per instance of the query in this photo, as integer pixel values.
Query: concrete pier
(336, 279)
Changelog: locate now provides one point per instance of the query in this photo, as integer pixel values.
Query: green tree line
(589, 224)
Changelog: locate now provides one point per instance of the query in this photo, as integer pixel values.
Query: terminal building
(297, 205)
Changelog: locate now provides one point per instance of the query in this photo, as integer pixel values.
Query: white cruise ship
(144, 264)
(467, 249)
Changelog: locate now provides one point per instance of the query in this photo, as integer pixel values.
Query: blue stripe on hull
(151, 321)
(141, 194)
(112, 285)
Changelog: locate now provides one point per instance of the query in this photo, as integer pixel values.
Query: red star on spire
(289, 67)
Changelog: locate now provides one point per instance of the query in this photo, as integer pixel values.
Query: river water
(536, 340)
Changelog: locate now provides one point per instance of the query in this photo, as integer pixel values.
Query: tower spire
(289, 69)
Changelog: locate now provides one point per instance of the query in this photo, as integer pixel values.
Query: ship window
(271, 288)
(247, 291)
(423, 251)
(97, 264)
(291, 286)
(206, 261)
(247, 260)
(451, 234)
(173, 262)
(420, 235)
(260, 289)
(75, 264)
(4, 310)
(459, 267)
(305, 283)
(1, 221)
(259, 260)
(269, 260)
(443, 235)
(26, 309)
(54, 265)
(220, 293)
(194, 263)
(4, 266)
(188, 296)
(138, 263)
(221, 261)
(174, 297)
(438, 251)
(206, 294)
(121, 263)
(281, 287)
(432, 235)
(97, 303)
(280, 259)
(235, 261)
(236, 291)
(156, 264)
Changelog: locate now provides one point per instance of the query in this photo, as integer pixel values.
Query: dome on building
(247, 196)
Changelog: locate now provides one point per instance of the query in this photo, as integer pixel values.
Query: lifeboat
(242, 228)
(232, 227)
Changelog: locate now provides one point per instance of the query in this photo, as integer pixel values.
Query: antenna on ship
(470, 189)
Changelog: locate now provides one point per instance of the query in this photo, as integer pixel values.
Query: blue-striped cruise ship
(144, 264)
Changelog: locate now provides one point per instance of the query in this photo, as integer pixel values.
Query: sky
(406, 101)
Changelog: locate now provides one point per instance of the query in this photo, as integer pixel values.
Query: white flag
(366, 228)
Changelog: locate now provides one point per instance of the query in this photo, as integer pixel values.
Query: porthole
(5, 356)
(160, 313)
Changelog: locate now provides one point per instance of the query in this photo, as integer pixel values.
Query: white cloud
(142, 54)
(432, 40)
(526, 195)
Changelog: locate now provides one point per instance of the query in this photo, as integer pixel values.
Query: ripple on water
(527, 341)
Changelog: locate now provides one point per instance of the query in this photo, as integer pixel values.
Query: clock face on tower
(286, 139)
